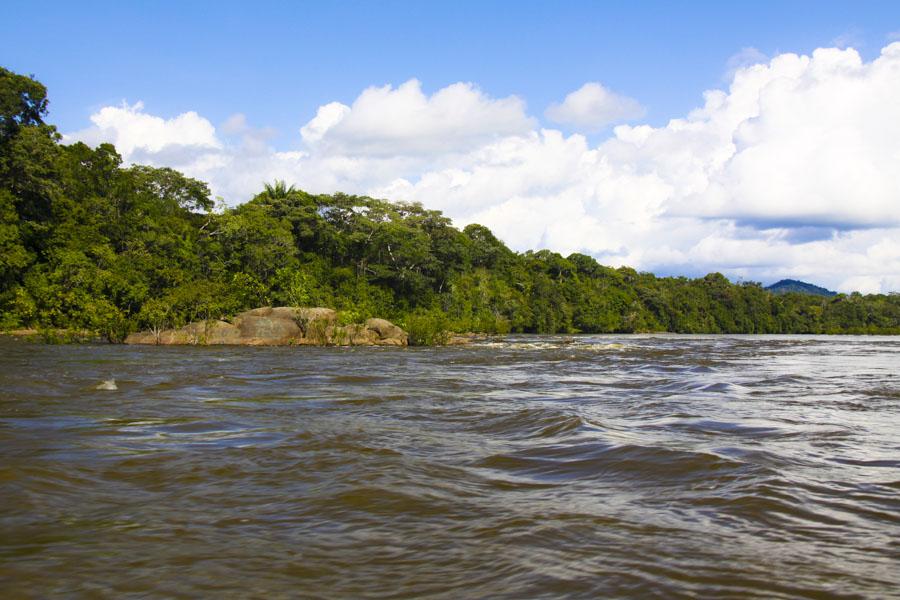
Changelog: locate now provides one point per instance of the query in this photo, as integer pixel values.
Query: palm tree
(278, 190)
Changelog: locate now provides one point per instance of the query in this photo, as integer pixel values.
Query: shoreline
(61, 336)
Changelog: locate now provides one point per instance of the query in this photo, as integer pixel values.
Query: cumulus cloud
(129, 127)
(789, 172)
(817, 143)
(326, 118)
(592, 107)
(387, 121)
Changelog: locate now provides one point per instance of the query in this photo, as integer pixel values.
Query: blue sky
(758, 139)
(276, 62)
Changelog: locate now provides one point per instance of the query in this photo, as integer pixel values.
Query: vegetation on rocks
(278, 326)
(88, 244)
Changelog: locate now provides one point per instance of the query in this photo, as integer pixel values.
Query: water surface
(601, 466)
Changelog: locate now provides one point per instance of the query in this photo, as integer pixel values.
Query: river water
(599, 466)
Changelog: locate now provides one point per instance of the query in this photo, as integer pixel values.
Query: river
(580, 467)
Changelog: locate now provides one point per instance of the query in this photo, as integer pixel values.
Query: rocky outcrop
(464, 339)
(278, 326)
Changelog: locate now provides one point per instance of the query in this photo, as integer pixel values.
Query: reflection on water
(628, 466)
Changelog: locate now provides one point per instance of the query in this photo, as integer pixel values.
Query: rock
(141, 337)
(354, 335)
(463, 339)
(201, 332)
(278, 326)
(388, 333)
(308, 315)
(317, 323)
(222, 332)
(267, 331)
(264, 311)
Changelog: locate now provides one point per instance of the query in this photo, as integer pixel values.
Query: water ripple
(557, 466)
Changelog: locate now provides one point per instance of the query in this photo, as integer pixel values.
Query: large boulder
(388, 333)
(317, 324)
(309, 315)
(284, 325)
(221, 332)
(353, 335)
(267, 331)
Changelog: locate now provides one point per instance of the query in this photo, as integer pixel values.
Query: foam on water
(108, 385)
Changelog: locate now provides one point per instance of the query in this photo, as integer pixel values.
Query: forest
(90, 244)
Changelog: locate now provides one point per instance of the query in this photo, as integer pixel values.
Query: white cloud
(326, 118)
(790, 172)
(742, 59)
(387, 121)
(592, 107)
(129, 128)
(819, 144)
(253, 140)
(235, 124)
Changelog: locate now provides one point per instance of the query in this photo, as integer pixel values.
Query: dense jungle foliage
(89, 244)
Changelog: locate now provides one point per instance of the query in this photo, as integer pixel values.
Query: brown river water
(530, 467)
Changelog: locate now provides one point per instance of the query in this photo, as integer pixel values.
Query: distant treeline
(87, 244)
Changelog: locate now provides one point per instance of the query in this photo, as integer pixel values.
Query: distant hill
(801, 287)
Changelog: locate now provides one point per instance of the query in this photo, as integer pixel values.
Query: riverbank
(67, 336)
(54, 335)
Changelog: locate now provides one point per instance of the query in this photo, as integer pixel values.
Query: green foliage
(89, 246)
(278, 190)
(23, 102)
(14, 258)
(350, 317)
(302, 286)
(426, 327)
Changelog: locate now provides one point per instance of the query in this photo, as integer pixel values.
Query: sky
(760, 140)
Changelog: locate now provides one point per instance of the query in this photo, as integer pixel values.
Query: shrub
(427, 328)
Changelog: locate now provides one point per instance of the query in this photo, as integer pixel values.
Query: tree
(278, 190)
(23, 103)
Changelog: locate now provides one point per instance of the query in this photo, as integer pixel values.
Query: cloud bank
(792, 171)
